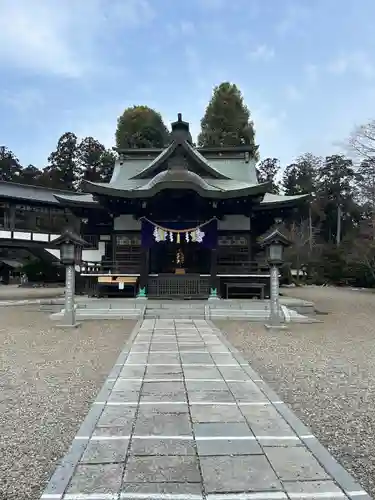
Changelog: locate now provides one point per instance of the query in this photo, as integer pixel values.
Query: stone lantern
(70, 246)
(274, 244)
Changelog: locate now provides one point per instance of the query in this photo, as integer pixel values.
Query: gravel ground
(325, 372)
(14, 292)
(48, 379)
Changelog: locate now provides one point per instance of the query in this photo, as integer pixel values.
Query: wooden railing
(132, 266)
(230, 266)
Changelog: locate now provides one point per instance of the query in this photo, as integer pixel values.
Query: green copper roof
(235, 168)
(128, 167)
(168, 153)
(179, 179)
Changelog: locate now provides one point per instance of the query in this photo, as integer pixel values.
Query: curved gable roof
(167, 153)
(182, 175)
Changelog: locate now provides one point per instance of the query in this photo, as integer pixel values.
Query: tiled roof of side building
(30, 193)
(271, 200)
(76, 199)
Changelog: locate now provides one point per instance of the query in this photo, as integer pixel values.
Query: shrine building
(178, 222)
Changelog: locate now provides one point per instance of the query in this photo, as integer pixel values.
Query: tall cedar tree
(267, 171)
(95, 163)
(141, 127)
(63, 169)
(31, 175)
(300, 177)
(10, 168)
(227, 120)
(336, 191)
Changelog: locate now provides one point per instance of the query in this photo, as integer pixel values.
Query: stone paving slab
(183, 416)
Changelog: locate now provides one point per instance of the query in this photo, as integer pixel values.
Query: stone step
(240, 318)
(173, 307)
(253, 305)
(174, 317)
(238, 312)
(88, 314)
(149, 315)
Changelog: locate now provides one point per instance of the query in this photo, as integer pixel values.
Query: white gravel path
(48, 379)
(326, 372)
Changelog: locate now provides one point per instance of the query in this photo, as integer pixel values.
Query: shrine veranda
(178, 222)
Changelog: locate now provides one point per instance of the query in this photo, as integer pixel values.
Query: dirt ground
(325, 371)
(48, 379)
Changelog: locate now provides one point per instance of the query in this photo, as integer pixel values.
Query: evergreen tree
(89, 154)
(108, 159)
(141, 127)
(267, 171)
(227, 120)
(10, 168)
(95, 163)
(63, 171)
(300, 176)
(31, 175)
(336, 193)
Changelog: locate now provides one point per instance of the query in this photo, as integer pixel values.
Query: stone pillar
(143, 277)
(69, 313)
(214, 281)
(275, 319)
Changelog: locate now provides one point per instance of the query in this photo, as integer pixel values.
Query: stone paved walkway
(183, 416)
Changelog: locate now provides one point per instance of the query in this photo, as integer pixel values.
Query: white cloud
(356, 62)
(262, 53)
(292, 93)
(54, 37)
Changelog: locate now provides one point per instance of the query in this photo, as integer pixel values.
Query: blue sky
(306, 68)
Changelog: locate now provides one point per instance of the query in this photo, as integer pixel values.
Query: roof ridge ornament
(181, 131)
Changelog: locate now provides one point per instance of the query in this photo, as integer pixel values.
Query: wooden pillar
(250, 241)
(7, 218)
(214, 280)
(12, 217)
(253, 237)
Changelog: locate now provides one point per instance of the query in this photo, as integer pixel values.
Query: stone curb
(344, 480)
(62, 475)
(25, 302)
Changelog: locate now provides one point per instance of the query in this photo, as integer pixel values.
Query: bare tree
(362, 140)
(363, 252)
(303, 236)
